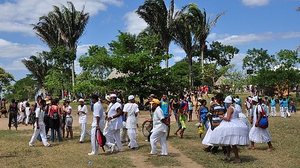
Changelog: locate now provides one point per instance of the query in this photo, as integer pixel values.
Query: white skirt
(207, 136)
(233, 132)
(259, 135)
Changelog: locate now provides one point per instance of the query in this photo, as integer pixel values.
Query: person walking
(39, 125)
(114, 122)
(97, 124)
(131, 111)
(27, 112)
(13, 114)
(82, 112)
(231, 132)
(273, 106)
(159, 129)
(257, 134)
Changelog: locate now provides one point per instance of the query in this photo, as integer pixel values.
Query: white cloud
(134, 24)
(255, 2)
(237, 60)
(82, 49)
(16, 50)
(16, 65)
(178, 51)
(248, 38)
(177, 58)
(17, 15)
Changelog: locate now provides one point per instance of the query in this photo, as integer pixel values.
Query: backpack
(263, 122)
(55, 113)
(101, 139)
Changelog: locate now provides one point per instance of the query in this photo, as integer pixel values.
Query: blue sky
(247, 24)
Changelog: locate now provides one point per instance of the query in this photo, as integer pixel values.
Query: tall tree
(39, 67)
(63, 27)
(202, 26)
(184, 37)
(160, 19)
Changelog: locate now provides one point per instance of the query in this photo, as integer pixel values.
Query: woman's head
(203, 102)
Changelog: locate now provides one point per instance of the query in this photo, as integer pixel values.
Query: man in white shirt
(82, 112)
(114, 122)
(97, 124)
(159, 130)
(39, 125)
(131, 110)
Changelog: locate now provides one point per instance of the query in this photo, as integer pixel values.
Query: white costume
(112, 129)
(158, 132)
(82, 110)
(97, 112)
(27, 112)
(41, 131)
(233, 132)
(132, 110)
(257, 134)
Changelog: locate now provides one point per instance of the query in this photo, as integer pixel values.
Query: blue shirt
(273, 103)
(164, 105)
(285, 103)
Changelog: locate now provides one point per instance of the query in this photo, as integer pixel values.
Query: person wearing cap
(97, 124)
(159, 129)
(217, 111)
(82, 112)
(131, 110)
(231, 132)
(114, 122)
(257, 134)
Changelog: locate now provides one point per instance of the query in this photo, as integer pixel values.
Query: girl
(69, 120)
(231, 132)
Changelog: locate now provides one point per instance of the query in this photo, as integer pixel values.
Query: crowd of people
(222, 121)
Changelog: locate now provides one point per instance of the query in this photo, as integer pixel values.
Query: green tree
(202, 26)
(184, 37)
(39, 67)
(258, 59)
(5, 79)
(220, 54)
(23, 89)
(160, 19)
(63, 27)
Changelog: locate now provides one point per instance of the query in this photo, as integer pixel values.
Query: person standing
(27, 112)
(217, 111)
(114, 122)
(131, 111)
(82, 112)
(159, 129)
(190, 112)
(54, 122)
(257, 134)
(97, 124)
(273, 106)
(39, 126)
(13, 114)
(69, 121)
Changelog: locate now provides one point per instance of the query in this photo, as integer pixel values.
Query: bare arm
(229, 114)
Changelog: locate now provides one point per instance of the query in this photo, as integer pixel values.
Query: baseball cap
(155, 101)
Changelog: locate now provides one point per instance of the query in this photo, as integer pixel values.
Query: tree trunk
(73, 77)
(202, 65)
(190, 72)
(167, 59)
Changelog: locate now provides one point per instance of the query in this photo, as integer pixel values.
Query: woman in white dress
(257, 134)
(231, 132)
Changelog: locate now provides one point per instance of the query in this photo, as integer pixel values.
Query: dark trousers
(12, 116)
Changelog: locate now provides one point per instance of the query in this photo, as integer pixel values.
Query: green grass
(285, 139)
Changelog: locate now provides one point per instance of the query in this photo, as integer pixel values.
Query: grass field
(15, 152)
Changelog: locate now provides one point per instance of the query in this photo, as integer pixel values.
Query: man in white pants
(82, 112)
(159, 130)
(98, 123)
(114, 122)
(39, 125)
(131, 110)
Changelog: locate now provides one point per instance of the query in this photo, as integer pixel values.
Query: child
(203, 116)
(69, 123)
(27, 112)
(292, 106)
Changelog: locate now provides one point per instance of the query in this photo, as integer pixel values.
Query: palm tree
(39, 67)
(160, 20)
(63, 27)
(202, 26)
(184, 37)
